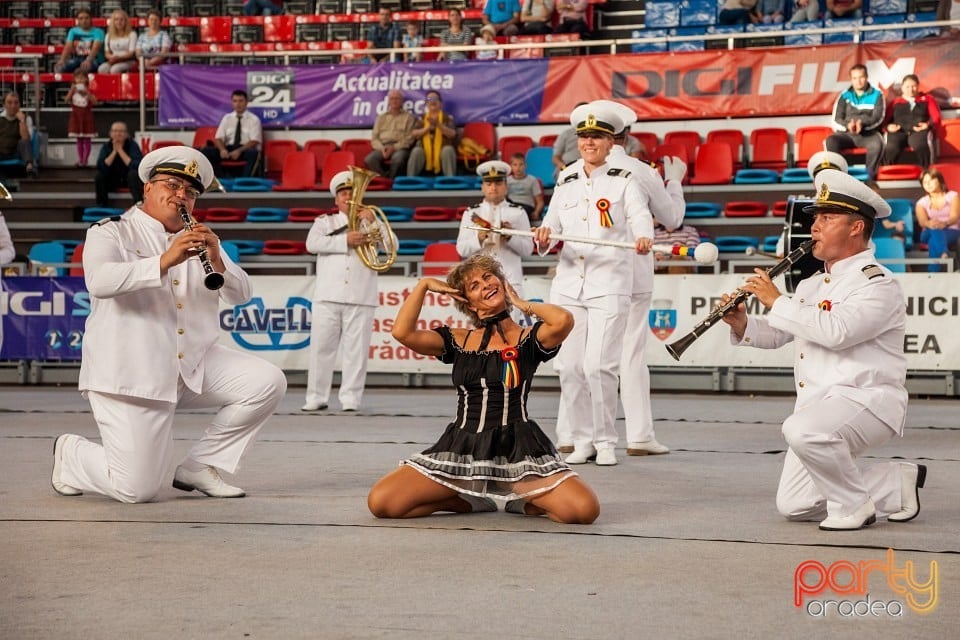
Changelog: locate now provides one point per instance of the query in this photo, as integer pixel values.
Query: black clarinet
(211, 280)
(677, 347)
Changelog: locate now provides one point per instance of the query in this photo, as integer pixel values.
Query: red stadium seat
(482, 133)
(360, 147)
(320, 149)
(675, 150)
(307, 214)
(899, 172)
(733, 138)
(951, 173)
(161, 144)
(745, 209)
(274, 155)
(547, 140)
(334, 163)
(279, 28)
(510, 145)
(713, 165)
(225, 214)
(950, 142)
(649, 141)
(299, 172)
(202, 136)
(438, 257)
(284, 247)
(216, 30)
(809, 140)
(780, 208)
(769, 148)
(78, 258)
(689, 140)
(433, 214)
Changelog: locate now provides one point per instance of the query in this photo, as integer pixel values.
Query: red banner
(722, 83)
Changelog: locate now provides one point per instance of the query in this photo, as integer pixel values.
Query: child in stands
(81, 126)
(487, 36)
(523, 189)
(411, 39)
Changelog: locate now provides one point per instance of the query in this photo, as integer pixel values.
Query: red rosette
(509, 354)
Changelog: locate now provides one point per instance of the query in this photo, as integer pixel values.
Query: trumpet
(677, 347)
(212, 279)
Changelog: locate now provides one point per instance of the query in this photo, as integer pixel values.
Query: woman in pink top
(938, 214)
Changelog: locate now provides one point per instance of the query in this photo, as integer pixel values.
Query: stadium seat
(795, 175)
(334, 163)
(702, 210)
(809, 140)
(901, 210)
(756, 176)
(733, 138)
(736, 244)
(162, 144)
(950, 171)
(225, 214)
(860, 173)
(77, 258)
(745, 209)
(689, 140)
(274, 153)
(433, 214)
(280, 28)
(360, 147)
(248, 247)
(248, 184)
(230, 248)
(203, 135)
(674, 150)
(216, 30)
(510, 145)
(769, 244)
(43, 253)
(713, 165)
(320, 149)
(540, 165)
(769, 148)
(96, 214)
(267, 214)
(284, 247)
(412, 247)
(453, 183)
(950, 142)
(306, 214)
(482, 133)
(397, 214)
(779, 209)
(438, 257)
(890, 249)
(412, 183)
(648, 140)
(899, 172)
(299, 172)
(547, 140)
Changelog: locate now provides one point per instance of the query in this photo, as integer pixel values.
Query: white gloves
(673, 168)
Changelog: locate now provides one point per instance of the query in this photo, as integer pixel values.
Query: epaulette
(571, 178)
(100, 223)
(872, 271)
(622, 173)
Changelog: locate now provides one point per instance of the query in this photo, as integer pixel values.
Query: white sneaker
(478, 504)
(606, 458)
(647, 448)
(866, 514)
(58, 486)
(912, 479)
(206, 481)
(314, 406)
(581, 456)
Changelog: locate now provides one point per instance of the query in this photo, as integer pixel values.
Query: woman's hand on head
(439, 286)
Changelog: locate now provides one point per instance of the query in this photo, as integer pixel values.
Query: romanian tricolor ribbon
(511, 372)
(825, 305)
(604, 206)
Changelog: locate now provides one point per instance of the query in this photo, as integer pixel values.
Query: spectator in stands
(565, 149)
(435, 134)
(7, 254)
(16, 133)
(118, 165)
(858, 117)
(805, 11)
(455, 34)
(487, 36)
(151, 346)
(845, 9)
(503, 15)
(83, 48)
(238, 137)
(119, 45)
(81, 125)
(391, 138)
(768, 12)
(949, 10)
(913, 119)
(536, 17)
(384, 34)
(573, 17)
(523, 189)
(153, 41)
(736, 11)
(342, 314)
(686, 236)
(411, 40)
(262, 8)
(938, 214)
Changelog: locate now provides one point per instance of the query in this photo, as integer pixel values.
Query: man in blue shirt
(83, 48)
(857, 117)
(503, 15)
(385, 34)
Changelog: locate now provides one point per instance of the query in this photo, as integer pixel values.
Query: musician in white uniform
(847, 323)
(594, 282)
(150, 347)
(496, 211)
(344, 301)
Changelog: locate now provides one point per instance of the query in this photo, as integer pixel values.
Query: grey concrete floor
(688, 545)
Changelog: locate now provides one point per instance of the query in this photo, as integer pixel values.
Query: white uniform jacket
(341, 275)
(848, 326)
(664, 201)
(509, 250)
(590, 270)
(145, 331)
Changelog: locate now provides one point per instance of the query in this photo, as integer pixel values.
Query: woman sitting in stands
(938, 214)
(492, 449)
(455, 34)
(119, 45)
(913, 119)
(153, 41)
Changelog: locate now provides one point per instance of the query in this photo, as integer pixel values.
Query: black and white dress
(493, 448)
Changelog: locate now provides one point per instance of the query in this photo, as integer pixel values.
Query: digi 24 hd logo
(272, 96)
(256, 327)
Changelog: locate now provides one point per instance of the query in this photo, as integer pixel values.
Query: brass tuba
(380, 250)
(4, 194)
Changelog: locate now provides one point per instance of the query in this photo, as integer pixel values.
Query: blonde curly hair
(457, 278)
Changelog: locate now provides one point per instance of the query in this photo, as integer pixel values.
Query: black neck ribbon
(489, 324)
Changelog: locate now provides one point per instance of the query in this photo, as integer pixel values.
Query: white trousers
(634, 373)
(347, 328)
(820, 474)
(588, 366)
(137, 434)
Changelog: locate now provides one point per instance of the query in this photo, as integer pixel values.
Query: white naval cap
(627, 115)
(493, 170)
(596, 117)
(839, 192)
(182, 162)
(825, 160)
(342, 180)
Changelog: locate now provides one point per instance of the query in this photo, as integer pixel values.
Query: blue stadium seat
(860, 173)
(915, 33)
(412, 183)
(844, 35)
(890, 249)
(649, 47)
(698, 13)
(96, 214)
(902, 210)
(248, 247)
(453, 183)
(47, 253)
(884, 35)
(255, 185)
(231, 249)
(661, 14)
(267, 214)
(687, 45)
(397, 214)
(887, 7)
(540, 165)
(756, 176)
(736, 244)
(795, 175)
(70, 246)
(412, 247)
(794, 34)
(703, 210)
(769, 244)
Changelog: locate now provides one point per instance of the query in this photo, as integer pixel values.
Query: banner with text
(717, 83)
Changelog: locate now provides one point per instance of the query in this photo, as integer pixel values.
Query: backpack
(471, 150)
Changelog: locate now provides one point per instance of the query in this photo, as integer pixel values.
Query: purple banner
(43, 318)
(352, 95)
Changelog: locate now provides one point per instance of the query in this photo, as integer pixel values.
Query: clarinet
(677, 347)
(211, 280)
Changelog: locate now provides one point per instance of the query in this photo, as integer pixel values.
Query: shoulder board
(100, 223)
(570, 178)
(872, 271)
(622, 173)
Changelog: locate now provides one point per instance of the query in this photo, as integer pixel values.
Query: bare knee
(381, 504)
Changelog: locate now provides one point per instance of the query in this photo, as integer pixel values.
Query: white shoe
(314, 406)
(581, 456)
(864, 515)
(912, 479)
(647, 448)
(606, 458)
(478, 504)
(58, 486)
(565, 447)
(206, 481)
